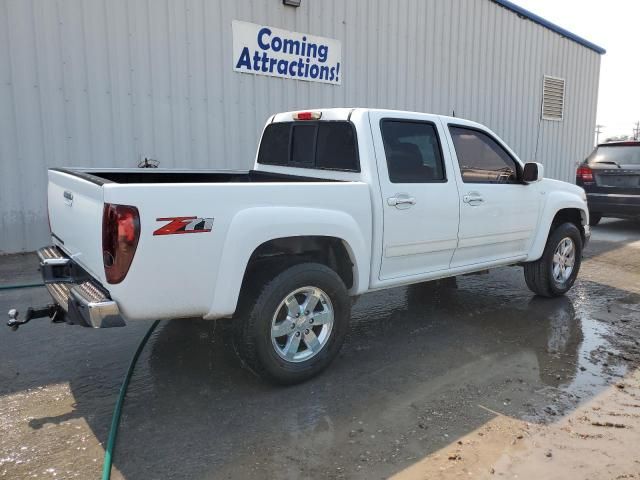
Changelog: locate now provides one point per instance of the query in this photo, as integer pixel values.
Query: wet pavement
(422, 366)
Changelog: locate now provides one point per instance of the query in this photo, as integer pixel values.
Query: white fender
(556, 201)
(252, 227)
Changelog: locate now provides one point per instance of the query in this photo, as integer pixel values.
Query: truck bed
(145, 176)
(174, 276)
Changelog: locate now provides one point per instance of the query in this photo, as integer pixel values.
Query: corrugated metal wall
(106, 82)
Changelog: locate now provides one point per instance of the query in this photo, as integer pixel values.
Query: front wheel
(294, 323)
(556, 271)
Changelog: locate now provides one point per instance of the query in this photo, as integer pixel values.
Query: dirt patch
(595, 441)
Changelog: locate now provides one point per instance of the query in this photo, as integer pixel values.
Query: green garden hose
(117, 411)
(21, 285)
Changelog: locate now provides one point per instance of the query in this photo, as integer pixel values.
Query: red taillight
(307, 115)
(585, 174)
(120, 234)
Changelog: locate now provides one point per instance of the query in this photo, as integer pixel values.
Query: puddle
(421, 366)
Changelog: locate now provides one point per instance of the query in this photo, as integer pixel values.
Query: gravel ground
(433, 382)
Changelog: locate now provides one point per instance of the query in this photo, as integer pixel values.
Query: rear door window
(413, 151)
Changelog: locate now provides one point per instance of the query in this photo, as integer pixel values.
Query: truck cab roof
(344, 113)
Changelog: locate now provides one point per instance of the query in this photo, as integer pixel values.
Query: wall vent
(552, 98)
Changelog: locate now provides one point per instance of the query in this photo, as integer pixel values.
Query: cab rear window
(325, 145)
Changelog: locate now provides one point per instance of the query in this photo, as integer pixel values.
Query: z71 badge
(179, 225)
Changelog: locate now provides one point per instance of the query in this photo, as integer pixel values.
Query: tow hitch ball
(52, 311)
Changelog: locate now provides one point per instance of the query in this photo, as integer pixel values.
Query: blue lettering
(256, 60)
(245, 59)
(323, 53)
(276, 44)
(263, 31)
(282, 67)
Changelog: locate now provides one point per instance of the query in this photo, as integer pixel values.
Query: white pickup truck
(340, 202)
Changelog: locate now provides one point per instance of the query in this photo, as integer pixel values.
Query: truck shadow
(417, 363)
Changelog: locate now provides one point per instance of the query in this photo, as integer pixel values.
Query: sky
(614, 25)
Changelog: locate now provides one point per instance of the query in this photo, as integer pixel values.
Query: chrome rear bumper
(82, 298)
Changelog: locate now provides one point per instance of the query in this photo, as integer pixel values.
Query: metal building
(109, 82)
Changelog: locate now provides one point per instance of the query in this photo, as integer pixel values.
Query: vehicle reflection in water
(549, 327)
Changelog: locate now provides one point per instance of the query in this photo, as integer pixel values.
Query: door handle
(473, 199)
(401, 200)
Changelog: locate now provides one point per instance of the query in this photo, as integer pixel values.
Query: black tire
(259, 305)
(594, 218)
(539, 274)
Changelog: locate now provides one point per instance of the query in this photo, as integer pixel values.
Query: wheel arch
(281, 252)
(329, 237)
(575, 216)
(560, 208)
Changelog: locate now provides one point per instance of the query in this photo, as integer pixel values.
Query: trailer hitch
(53, 311)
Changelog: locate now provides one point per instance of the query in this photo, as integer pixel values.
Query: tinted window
(481, 158)
(274, 146)
(325, 145)
(616, 154)
(336, 148)
(413, 151)
(303, 143)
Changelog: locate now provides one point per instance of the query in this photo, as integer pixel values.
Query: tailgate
(619, 178)
(616, 181)
(75, 214)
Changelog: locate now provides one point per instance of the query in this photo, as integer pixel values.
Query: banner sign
(264, 50)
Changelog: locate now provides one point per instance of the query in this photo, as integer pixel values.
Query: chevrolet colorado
(340, 202)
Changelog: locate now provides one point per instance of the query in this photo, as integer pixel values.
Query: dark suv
(611, 178)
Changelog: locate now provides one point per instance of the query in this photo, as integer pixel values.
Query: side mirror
(532, 172)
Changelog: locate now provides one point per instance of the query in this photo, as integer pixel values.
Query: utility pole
(636, 132)
(598, 132)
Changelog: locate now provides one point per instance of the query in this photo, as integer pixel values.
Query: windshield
(619, 154)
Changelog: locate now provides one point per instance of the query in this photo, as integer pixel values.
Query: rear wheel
(594, 218)
(294, 323)
(556, 271)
